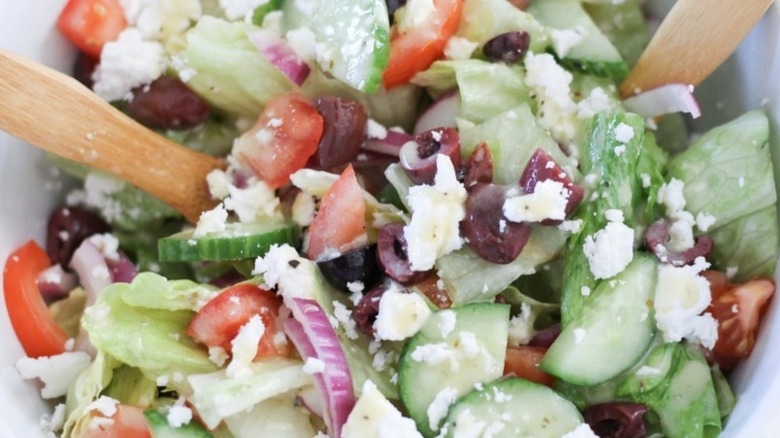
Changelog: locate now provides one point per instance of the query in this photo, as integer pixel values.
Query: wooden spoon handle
(692, 41)
(55, 112)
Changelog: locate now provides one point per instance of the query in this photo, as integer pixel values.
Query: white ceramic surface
(29, 188)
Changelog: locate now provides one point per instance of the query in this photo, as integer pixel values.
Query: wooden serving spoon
(54, 112)
(692, 41)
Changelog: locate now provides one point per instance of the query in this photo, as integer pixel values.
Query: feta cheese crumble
(284, 268)
(255, 203)
(551, 86)
(441, 403)
(373, 416)
(434, 229)
(459, 48)
(235, 9)
(624, 133)
(610, 249)
(244, 347)
(547, 201)
(521, 326)
(178, 415)
(127, 63)
(213, 221)
(566, 39)
(401, 315)
(56, 372)
(313, 366)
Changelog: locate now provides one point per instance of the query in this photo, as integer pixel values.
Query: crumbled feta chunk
(218, 355)
(213, 221)
(521, 326)
(303, 209)
(244, 347)
(401, 315)
(235, 9)
(624, 133)
(415, 14)
(313, 366)
(671, 195)
(585, 291)
(573, 226)
(373, 416)
(447, 321)
(609, 250)
(375, 130)
(54, 422)
(107, 244)
(303, 42)
(437, 210)
(255, 203)
(704, 221)
(56, 372)
(344, 317)
(441, 403)
(218, 182)
(566, 39)
(551, 86)
(178, 415)
(581, 431)
(547, 201)
(646, 180)
(614, 215)
(432, 354)
(596, 102)
(104, 405)
(680, 236)
(127, 63)
(294, 275)
(459, 48)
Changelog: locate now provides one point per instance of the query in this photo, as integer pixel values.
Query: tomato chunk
(35, 327)
(89, 24)
(414, 49)
(281, 142)
(523, 361)
(738, 309)
(127, 422)
(340, 224)
(218, 322)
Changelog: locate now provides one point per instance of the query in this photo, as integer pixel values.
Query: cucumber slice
(238, 242)
(461, 363)
(159, 427)
(353, 38)
(594, 53)
(510, 408)
(613, 330)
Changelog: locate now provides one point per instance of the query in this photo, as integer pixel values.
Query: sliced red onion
(389, 145)
(284, 58)
(54, 283)
(310, 399)
(314, 337)
(92, 270)
(441, 113)
(122, 269)
(671, 98)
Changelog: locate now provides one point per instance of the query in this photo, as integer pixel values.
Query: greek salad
(437, 218)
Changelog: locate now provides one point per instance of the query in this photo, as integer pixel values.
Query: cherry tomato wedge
(284, 137)
(340, 224)
(523, 361)
(89, 24)
(738, 309)
(127, 422)
(218, 322)
(414, 49)
(35, 327)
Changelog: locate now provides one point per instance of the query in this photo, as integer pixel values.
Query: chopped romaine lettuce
(87, 388)
(130, 386)
(485, 19)
(153, 291)
(629, 33)
(277, 417)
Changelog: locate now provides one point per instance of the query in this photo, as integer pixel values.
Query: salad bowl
(30, 187)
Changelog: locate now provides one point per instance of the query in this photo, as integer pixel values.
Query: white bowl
(29, 190)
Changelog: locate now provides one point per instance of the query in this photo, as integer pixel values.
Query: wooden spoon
(692, 41)
(54, 112)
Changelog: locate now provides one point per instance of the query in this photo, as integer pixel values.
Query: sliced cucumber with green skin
(160, 428)
(353, 38)
(512, 407)
(237, 242)
(594, 53)
(613, 330)
(421, 378)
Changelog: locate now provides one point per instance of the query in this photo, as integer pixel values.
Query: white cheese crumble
(218, 182)
(572, 226)
(704, 221)
(441, 403)
(344, 317)
(55, 372)
(597, 102)
(178, 415)
(585, 291)
(680, 236)
(127, 63)
(313, 366)
(218, 355)
(624, 133)
(610, 249)
(401, 315)
(581, 431)
(213, 221)
(104, 405)
(54, 422)
(434, 229)
(373, 416)
(447, 321)
(375, 130)
(521, 326)
(415, 14)
(459, 48)
(551, 86)
(566, 39)
(646, 180)
(681, 295)
(107, 244)
(303, 42)
(244, 347)
(547, 201)
(235, 9)
(303, 209)
(255, 203)
(294, 275)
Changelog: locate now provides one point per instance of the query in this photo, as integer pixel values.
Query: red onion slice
(314, 337)
(284, 58)
(54, 283)
(122, 269)
(92, 270)
(441, 113)
(389, 145)
(665, 99)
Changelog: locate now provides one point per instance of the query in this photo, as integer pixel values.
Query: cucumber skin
(180, 248)
(159, 427)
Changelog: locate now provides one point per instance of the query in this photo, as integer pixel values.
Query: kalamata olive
(67, 229)
(122, 269)
(479, 166)
(343, 133)
(433, 289)
(418, 157)
(392, 6)
(617, 420)
(545, 337)
(167, 103)
(657, 240)
(509, 47)
(541, 167)
(392, 255)
(367, 309)
(487, 231)
(356, 265)
(83, 69)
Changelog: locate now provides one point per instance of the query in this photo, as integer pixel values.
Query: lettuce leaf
(87, 388)
(153, 291)
(728, 173)
(485, 19)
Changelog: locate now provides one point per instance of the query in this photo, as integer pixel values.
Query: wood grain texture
(54, 112)
(692, 41)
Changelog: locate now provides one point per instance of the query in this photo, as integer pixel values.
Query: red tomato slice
(127, 422)
(218, 322)
(35, 328)
(523, 362)
(738, 309)
(89, 24)
(284, 137)
(415, 50)
(340, 224)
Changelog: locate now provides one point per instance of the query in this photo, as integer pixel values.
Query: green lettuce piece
(726, 398)
(541, 315)
(87, 388)
(130, 386)
(485, 88)
(728, 174)
(275, 417)
(153, 291)
(629, 33)
(512, 137)
(153, 340)
(231, 74)
(485, 19)
(650, 167)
